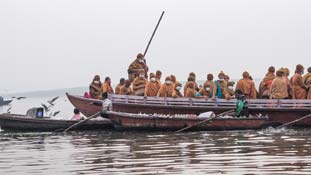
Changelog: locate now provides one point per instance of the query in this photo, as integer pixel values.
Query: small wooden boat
(16, 122)
(279, 111)
(129, 121)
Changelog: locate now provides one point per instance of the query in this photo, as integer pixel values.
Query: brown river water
(267, 151)
(270, 151)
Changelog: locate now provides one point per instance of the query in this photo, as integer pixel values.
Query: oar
(82, 121)
(206, 120)
(153, 34)
(294, 121)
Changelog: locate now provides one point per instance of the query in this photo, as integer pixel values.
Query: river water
(269, 151)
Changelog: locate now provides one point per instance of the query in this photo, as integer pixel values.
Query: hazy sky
(47, 44)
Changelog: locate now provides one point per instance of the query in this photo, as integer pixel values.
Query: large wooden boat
(14, 122)
(279, 111)
(148, 122)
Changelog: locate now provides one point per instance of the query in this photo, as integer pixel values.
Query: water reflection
(244, 152)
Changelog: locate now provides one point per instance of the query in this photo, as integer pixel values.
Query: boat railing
(205, 102)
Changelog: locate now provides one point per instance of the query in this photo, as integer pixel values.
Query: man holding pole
(138, 65)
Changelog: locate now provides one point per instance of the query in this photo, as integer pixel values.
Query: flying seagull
(51, 102)
(55, 113)
(46, 109)
(9, 110)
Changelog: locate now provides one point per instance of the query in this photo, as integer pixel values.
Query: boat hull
(127, 122)
(11, 122)
(278, 114)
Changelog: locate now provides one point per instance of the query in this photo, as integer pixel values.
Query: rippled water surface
(106, 152)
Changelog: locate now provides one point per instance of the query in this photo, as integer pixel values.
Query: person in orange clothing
(138, 65)
(220, 86)
(106, 87)
(126, 89)
(279, 88)
(177, 89)
(208, 86)
(152, 87)
(158, 77)
(299, 88)
(190, 79)
(95, 88)
(139, 84)
(118, 87)
(307, 81)
(166, 89)
(247, 86)
(190, 91)
(265, 84)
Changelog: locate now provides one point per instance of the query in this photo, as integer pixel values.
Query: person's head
(108, 80)
(309, 69)
(192, 74)
(168, 80)
(210, 77)
(127, 83)
(122, 81)
(227, 78)
(299, 69)
(221, 76)
(190, 78)
(245, 74)
(96, 79)
(173, 78)
(105, 95)
(271, 69)
(158, 74)
(178, 86)
(286, 71)
(279, 73)
(76, 111)
(152, 77)
(191, 85)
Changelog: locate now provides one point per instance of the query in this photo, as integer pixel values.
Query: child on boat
(77, 115)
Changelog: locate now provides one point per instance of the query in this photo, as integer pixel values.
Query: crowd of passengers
(275, 84)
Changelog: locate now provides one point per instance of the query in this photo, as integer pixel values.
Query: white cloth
(107, 105)
(207, 114)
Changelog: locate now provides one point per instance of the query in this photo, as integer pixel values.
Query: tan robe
(248, 88)
(279, 88)
(118, 89)
(265, 84)
(95, 90)
(152, 89)
(126, 90)
(166, 90)
(190, 93)
(307, 81)
(135, 67)
(139, 85)
(223, 87)
(299, 88)
(187, 85)
(107, 88)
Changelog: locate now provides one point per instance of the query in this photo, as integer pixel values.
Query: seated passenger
(307, 80)
(207, 89)
(177, 93)
(139, 84)
(278, 88)
(190, 91)
(299, 87)
(118, 87)
(166, 89)
(265, 84)
(126, 89)
(106, 87)
(220, 86)
(95, 88)
(191, 80)
(241, 105)
(77, 115)
(247, 86)
(158, 77)
(152, 86)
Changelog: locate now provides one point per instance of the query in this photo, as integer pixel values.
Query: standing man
(118, 87)
(247, 86)
(106, 87)
(138, 65)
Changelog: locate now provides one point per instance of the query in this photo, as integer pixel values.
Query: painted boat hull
(124, 121)
(13, 122)
(277, 114)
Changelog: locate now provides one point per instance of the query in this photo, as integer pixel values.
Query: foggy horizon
(62, 44)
